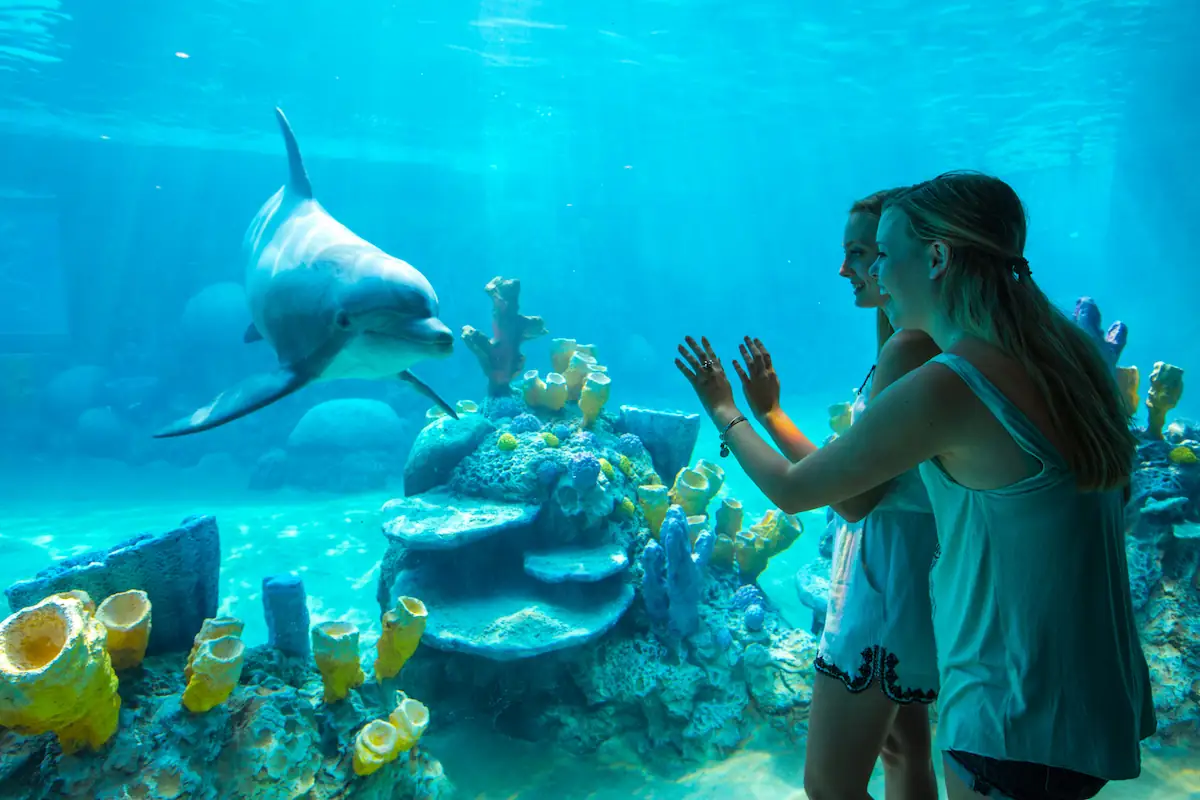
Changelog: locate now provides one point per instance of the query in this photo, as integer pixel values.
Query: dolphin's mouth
(430, 335)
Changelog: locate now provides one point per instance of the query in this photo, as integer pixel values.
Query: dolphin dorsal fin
(297, 178)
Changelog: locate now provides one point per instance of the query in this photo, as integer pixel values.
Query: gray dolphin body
(331, 304)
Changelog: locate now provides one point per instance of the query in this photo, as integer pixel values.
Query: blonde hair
(873, 204)
(987, 291)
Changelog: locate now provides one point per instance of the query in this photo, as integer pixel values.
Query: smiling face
(858, 243)
(906, 271)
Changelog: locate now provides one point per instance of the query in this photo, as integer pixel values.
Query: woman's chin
(865, 300)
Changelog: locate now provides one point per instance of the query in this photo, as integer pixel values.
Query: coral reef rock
(669, 436)
(179, 571)
(440, 447)
(272, 740)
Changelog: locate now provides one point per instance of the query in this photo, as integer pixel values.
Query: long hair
(873, 204)
(987, 291)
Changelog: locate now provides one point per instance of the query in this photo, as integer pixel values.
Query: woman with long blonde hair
(1023, 444)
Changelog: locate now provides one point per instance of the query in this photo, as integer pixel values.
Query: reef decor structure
(500, 356)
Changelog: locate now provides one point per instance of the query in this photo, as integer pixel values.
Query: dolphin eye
(342, 319)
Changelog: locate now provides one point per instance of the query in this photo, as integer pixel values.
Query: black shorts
(1020, 780)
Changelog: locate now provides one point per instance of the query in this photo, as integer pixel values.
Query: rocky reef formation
(87, 713)
(534, 527)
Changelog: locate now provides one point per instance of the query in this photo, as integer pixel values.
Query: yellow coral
(410, 719)
(550, 439)
(768, 537)
(593, 396)
(126, 617)
(555, 396)
(696, 526)
(561, 351)
(402, 629)
(56, 675)
(1166, 389)
(625, 464)
(690, 491)
(507, 443)
(533, 389)
(1183, 455)
(840, 417)
(627, 507)
(466, 407)
(655, 501)
(729, 517)
(607, 468)
(651, 479)
(723, 551)
(577, 371)
(216, 671)
(1128, 379)
(715, 475)
(335, 649)
(374, 746)
(81, 596)
(213, 628)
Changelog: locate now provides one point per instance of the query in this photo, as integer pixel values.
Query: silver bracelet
(724, 433)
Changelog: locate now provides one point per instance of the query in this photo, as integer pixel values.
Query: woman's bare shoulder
(903, 352)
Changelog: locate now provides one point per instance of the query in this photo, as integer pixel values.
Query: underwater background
(645, 170)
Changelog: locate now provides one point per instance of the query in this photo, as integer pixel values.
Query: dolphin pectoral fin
(244, 398)
(252, 335)
(424, 388)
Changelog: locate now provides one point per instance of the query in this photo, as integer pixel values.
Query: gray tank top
(1037, 644)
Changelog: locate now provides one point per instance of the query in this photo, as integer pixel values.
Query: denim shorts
(1020, 780)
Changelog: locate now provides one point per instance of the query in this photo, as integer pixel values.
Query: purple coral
(585, 471)
(630, 445)
(548, 472)
(748, 595)
(1087, 316)
(502, 407)
(525, 423)
(754, 617)
(673, 575)
(562, 431)
(587, 439)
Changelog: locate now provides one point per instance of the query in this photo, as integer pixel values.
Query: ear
(939, 259)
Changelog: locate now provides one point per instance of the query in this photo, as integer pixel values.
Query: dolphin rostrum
(331, 304)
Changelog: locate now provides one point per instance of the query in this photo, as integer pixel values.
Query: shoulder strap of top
(1024, 432)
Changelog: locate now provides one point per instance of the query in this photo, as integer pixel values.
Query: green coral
(507, 442)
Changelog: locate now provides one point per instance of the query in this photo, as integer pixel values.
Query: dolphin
(331, 304)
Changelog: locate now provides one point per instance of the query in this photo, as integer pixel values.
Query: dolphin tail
(244, 398)
(427, 391)
(298, 182)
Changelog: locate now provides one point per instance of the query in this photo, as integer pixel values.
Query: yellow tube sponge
(561, 351)
(374, 746)
(768, 537)
(715, 475)
(690, 491)
(126, 617)
(79, 594)
(577, 371)
(696, 526)
(216, 671)
(593, 396)
(335, 649)
(410, 719)
(1166, 388)
(402, 629)
(55, 675)
(533, 389)
(729, 517)
(1128, 379)
(840, 417)
(213, 628)
(555, 396)
(654, 500)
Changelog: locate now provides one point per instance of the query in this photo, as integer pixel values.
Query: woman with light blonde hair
(876, 665)
(1024, 446)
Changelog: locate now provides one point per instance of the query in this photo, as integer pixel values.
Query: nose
(873, 270)
(844, 270)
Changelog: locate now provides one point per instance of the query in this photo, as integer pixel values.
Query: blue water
(647, 170)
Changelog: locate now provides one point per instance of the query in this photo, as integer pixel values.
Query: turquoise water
(647, 170)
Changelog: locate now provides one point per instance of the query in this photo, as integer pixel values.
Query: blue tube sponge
(673, 575)
(285, 606)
